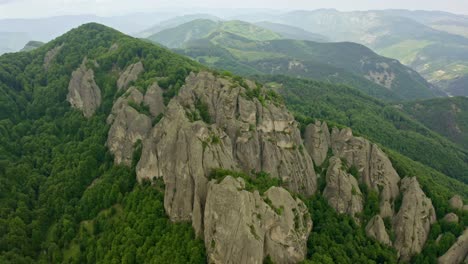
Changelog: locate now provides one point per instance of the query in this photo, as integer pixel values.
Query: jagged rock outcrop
(128, 126)
(240, 227)
(342, 190)
(50, 55)
(456, 202)
(413, 221)
(154, 99)
(451, 218)
(238, 133)
(130, 74)
(376, 230)
(458, 252)
(317, 141)
(373, 165)
(83, 92)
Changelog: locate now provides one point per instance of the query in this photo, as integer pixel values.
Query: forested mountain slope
(447, 116)
(334, 62)
(116, 150)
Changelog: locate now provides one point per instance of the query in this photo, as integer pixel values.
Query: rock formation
(342, 190)
(317, 141)
(413, 221)
(376, 230)
(451, 218)
(50, 55)
(457, 252)
(456, 202)
(83, 92)
(373, 165)
(241, 227)
(130, 74)
(213, 124)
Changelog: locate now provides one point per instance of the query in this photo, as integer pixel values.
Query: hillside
(32, 45)
(334, 62)
(179, 36)
(411, 37)
(290, 32)
(447, 116)
(115, 150)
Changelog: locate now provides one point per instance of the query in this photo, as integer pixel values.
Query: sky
(45, 8)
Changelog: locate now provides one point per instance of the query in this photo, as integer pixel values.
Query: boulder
(451, 218)
(241, 227)
(83, 92)
(456, 202)
(458, 252)
(373, 165)
(342, 190)
(413, 221)
(130, 74)
(317, 141)
(376, 229)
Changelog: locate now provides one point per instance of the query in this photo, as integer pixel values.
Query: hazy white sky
(43, 8)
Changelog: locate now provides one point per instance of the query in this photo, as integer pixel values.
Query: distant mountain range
(246, 48)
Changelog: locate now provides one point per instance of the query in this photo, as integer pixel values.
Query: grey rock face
(458, 252)
(129, 75)
(317, 141)
(240, 227)
(373, 165)
(376, 230)
(456, 202)
(413, 222)
(128, 126)
(342, 190)
(242, 135)
(451, 218)
(154, 99)
(50, 55)
(83, 92)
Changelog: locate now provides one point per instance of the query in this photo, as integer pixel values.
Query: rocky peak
(456, 202)
(83, 92)
(317, 141)
(376, 230)
(50, 55)
(413, 221)
(130, 74)
(373, 165)
(342, 190)
(246, 227)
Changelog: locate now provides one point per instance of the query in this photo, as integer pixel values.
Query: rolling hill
(335, 62)
(422, 40)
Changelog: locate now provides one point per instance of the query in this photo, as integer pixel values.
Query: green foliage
(61, 197)
(337, 239)
(260, 181)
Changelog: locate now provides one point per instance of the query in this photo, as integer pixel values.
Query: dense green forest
(62, 200)
(447, 116)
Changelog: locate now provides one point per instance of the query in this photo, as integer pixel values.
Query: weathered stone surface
(240, 227)
(50, 55)
(376, 230)
(83, 92)
(342, 190)
(413, 222)
(373, 165)
(129, 75)
(456, 202)
(458, 252)
(128, 127)
(451, 218)
(242, 135)
(317, 141)
(154, 99)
